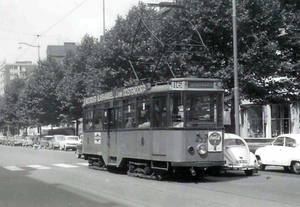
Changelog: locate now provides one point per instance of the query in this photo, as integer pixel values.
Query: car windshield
(60, 138)
(231, 142)
(72, 138)
(279, 141)
(47, 138)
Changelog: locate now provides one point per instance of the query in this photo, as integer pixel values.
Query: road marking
(39, 167)
(65, 165)
(13, 168)
(83, 163)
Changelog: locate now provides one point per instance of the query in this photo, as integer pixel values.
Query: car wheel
(248, 172)
(260, 165)
(60, 148)
(295, 167)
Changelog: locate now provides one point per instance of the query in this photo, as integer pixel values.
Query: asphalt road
(46, 178)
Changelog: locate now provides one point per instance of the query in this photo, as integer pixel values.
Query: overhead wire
(43, 33)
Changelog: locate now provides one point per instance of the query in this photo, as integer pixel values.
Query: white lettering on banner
(105, 96)
(134, 90)
(116, 94)
(90, 100)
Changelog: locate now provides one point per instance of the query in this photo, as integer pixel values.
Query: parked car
(44, 141)
(28, 141)
(54, 143)
(2, 139)
(283, 151)
(16, 141)
(69, 142)
(8, 140)
(238, 155)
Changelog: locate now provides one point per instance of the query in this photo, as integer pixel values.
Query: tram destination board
(211, 84)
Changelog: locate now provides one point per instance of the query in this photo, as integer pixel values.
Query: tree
(81, 78)
(9, 108)
(39, 97)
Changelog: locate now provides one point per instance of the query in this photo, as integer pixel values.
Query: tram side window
(159, 112)
(129, 115)
(176, 110)
(109, 119)
(98, 119)
(118, 117)
(143, 114)
(89, 120)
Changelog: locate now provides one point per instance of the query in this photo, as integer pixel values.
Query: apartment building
(10, 71)
(58, 52)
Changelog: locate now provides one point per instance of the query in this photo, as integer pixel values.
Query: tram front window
(201, 109)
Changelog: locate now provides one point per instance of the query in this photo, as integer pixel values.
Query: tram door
(112, 115)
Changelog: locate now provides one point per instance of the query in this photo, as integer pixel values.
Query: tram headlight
(202, 149)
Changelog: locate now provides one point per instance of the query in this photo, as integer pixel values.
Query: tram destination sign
(177, 85)
(117, 93)
(204, 84)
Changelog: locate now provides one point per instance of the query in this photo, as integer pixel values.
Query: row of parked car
(12, 140)
(62, 142)
(283, 151)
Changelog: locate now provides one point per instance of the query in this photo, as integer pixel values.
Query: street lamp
(38, 46)
(236, 85)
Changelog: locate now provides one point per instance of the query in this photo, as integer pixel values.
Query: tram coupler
(193, 172)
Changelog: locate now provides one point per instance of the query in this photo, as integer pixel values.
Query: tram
(154, 130)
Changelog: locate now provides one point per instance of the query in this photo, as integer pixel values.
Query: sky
(53, 22)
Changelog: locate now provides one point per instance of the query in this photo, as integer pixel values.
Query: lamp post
(236, 85)
(38, 47)
(23, 43)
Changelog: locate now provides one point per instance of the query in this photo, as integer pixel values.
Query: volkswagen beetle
(238, 155)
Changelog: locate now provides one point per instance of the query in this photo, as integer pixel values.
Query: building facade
(58, 52)
(268, 121)
(10, 71)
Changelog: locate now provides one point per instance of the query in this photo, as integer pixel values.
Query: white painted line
(83, 163)
(39, 167)
(65, 165)
(13, 168)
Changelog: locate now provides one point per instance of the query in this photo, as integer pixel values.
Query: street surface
(47, 178)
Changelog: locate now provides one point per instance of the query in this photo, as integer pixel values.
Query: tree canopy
(192, 39)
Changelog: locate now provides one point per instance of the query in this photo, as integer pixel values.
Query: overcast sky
(57, 21)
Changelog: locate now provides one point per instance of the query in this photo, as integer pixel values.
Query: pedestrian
(35, 142)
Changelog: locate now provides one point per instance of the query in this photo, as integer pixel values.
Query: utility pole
(104, 20)
(236, 84)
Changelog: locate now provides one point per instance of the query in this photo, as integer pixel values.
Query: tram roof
(175, 84)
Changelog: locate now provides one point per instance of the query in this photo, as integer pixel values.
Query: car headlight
(202, 149)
